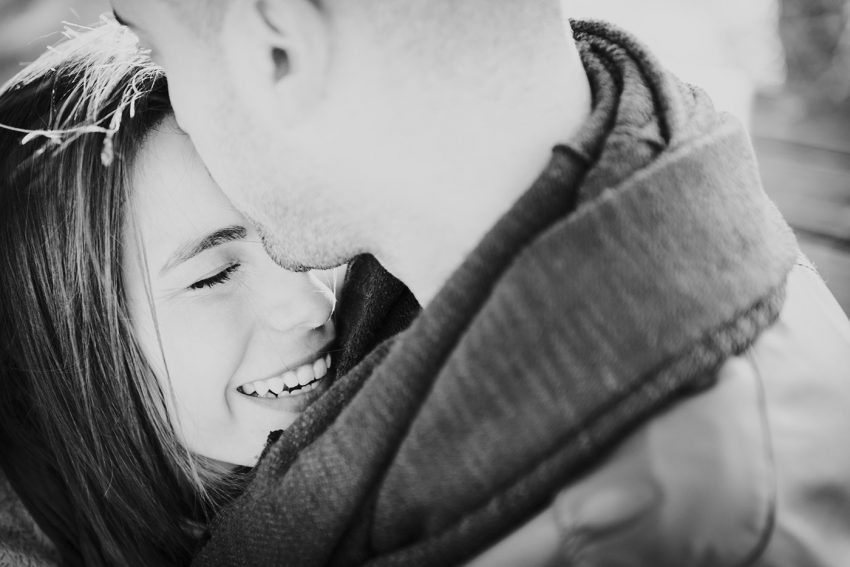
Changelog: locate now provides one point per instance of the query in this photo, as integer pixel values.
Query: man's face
(225, 99)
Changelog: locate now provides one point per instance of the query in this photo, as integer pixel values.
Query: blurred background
(782, 66)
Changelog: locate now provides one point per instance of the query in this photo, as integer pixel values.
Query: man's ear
(279, 52)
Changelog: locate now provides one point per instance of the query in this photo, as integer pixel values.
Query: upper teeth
(301, 379)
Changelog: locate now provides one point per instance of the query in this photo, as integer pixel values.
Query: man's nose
(297, 301)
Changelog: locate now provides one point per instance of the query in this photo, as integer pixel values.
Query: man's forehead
(133, 14)
(146, 15)
(122, 20)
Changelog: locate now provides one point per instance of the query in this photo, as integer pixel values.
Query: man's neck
(440, 230)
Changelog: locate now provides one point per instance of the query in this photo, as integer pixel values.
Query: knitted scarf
(644, 256)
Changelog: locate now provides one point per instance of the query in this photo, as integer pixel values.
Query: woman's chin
(265, 415)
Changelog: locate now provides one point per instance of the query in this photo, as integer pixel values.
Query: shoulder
(750, 472)
(803, 362)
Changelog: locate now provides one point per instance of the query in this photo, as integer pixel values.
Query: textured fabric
(644, 257)
(30, 472)
(22, 544)
(761, 455)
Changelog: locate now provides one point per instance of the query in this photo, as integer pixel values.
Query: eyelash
(217, 279)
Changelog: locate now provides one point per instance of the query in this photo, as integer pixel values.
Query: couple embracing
(571, 328)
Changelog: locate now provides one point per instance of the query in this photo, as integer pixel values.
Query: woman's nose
(297, 300)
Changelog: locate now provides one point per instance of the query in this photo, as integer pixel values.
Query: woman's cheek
(204, 343)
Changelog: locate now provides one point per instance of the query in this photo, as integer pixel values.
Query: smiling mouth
(301, 380)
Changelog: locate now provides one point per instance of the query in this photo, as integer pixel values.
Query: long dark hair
(86, 438)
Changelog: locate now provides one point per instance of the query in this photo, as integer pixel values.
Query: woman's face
(242, 345)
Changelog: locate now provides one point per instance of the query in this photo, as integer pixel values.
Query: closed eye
(217, 279)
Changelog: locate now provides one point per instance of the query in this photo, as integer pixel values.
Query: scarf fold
(645, 256)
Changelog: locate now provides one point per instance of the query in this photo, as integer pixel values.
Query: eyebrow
(195, 247)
